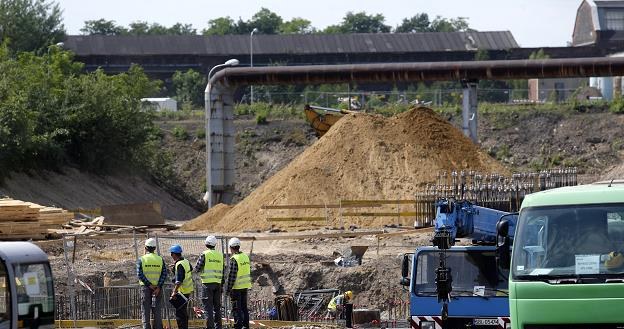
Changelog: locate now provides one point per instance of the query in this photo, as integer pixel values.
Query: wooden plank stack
(27, 220)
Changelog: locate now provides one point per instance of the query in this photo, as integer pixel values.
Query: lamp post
(255, 30)
(207, 102)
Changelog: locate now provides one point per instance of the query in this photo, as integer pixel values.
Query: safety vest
(152, 267)
(187, 284)
(334, 302)
(243, 276)
(213, 267)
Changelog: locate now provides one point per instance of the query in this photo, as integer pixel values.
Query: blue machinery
(469, 281)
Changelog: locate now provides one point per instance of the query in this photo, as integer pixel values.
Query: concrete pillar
(469, 109)
(220, 136)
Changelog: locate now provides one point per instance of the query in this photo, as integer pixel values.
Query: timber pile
(27, 220)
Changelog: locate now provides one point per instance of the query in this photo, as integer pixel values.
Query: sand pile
(208, 219)
(364, 157)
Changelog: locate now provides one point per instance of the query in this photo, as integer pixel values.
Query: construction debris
(27, 220)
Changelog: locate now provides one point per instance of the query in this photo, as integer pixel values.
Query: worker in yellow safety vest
(237, 284)
(152, 274)
(336, 304)
(183, 281)
(210, 266)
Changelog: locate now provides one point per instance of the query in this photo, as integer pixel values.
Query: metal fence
(434, 97)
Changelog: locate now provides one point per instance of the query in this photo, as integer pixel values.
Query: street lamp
(208, 195)
(255, 30)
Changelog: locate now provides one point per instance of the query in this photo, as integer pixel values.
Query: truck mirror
(503, 244)
(405, 267)
(405, 282)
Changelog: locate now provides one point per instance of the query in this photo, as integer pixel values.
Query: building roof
(595, 4)
(296, 44)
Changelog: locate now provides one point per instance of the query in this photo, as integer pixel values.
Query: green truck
(567, 267)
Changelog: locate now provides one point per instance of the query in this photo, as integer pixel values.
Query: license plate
(485, 322)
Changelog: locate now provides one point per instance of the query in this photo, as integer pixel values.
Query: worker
(336, 304)
(183, 281)
(152, 274)
(237, 284)
(210, 265)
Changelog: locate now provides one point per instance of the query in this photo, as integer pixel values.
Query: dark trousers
(240, 311)
(211, 298)
(182, 316)
(146, 309)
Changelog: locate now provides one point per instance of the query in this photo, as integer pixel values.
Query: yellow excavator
(322, 118)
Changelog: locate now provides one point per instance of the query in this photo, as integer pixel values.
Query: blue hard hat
(176, 248)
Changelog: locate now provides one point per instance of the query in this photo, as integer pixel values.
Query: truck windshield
(569, 241)
(474, 273)
(5, 298)
(35, 294)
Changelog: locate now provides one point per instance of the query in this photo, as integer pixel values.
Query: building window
(615, 20)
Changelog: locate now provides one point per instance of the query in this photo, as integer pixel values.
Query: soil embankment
(364, 157)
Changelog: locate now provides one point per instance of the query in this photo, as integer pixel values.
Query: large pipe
(429, 71)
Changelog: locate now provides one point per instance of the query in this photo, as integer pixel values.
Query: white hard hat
(211, 241)
(234, 242)
(151, 242)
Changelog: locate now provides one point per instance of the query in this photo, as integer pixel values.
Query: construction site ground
(514, 140)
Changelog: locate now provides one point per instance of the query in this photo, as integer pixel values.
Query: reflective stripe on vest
(243, 276)
(152, 265)
(213, 267)
(187, 285)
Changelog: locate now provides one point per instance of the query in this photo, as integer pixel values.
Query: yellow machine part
(321, 122)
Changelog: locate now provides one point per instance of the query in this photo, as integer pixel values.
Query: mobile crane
(472, 278)
(26, 287)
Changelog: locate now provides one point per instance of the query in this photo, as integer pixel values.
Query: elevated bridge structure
(219, 94)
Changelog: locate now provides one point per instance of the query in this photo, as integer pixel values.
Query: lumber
(380, 214)
(288, 219)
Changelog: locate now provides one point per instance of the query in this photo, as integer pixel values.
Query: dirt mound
(208, 219)
(364, 157)
(616, 172)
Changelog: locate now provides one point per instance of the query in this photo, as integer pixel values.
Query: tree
(297, 25)
(417, 23)
(182, 29)
(189, 87)
(459, 24)
(220, 26)
(363, 23)
(266, 21)
(30, 25)
(102, 27)
(139, 28)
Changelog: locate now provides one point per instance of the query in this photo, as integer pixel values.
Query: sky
(533, 23)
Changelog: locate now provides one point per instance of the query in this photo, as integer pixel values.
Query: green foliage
(180, 133)
(105, 27)
(261, 117)
(363, 23)
(266, 21)
(189, 87)
(200, 133)
(30, 25)
(220, 26)
(102, 27)
(617, 106)
(418, 23)
(52, 114)
(459, 24)
(540, 54)
(297, 25)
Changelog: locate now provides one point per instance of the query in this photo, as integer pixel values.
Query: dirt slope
(74, 189)
(364, 156)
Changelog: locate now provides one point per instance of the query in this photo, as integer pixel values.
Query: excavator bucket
(321, 122)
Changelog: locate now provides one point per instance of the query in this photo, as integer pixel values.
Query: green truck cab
(567, 267)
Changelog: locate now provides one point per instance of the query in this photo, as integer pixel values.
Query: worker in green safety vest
(210, 266)
(152, 273)
(183, 281)
(237, 284)
(336, 304)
